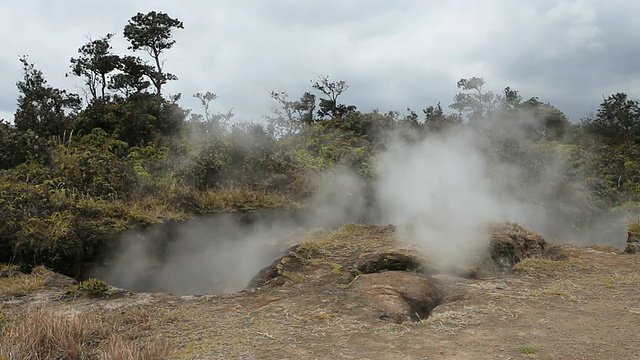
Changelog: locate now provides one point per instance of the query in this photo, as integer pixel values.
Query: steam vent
(374, 274)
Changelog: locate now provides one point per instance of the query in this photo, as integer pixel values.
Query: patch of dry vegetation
(242, 199)
(348, 240)
(48, 334)
(542, 266)
(19, 284)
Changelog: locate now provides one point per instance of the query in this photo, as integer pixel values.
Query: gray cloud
(394, 55)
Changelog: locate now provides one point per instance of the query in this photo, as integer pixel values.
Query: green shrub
(91, 287)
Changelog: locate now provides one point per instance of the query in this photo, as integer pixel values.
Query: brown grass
(120, 349)
(44, 334)
(22, 284)
(47, 334)
(634, 226)
(235, 198)
(546, 266)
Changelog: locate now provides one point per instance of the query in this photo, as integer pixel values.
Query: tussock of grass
(91, 287)
(43, 334)
(22, 284)
(47, 334)
(528, 350)
(634, 226)
(7, 270)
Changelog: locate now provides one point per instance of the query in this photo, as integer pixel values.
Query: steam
(440, 192)
(221, 253)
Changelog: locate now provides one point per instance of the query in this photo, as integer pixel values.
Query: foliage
(152, 32)
(43, 108)
(91, 287)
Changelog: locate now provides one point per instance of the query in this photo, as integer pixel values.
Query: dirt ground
(586, 305)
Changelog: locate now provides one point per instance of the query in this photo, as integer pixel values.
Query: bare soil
(316, 302)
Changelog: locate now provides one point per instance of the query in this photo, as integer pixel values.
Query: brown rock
(398, 295)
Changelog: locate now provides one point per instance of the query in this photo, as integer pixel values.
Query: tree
(436, 121)
(95, 63)
(284, 121)
(473, 100)
(43, 109)
(209, 122)
(131, 79)
(549, 123)
(329, 106)
(617, 121)
(152, 32)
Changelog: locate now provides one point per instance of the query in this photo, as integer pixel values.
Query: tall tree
(95, 63)
(152, 32)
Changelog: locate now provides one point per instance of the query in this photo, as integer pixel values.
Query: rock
(398, 296)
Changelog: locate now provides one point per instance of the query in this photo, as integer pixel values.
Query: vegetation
(92, 287)
(77, 170)
(47, 334)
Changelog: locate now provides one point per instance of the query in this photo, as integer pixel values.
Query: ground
(330, 298)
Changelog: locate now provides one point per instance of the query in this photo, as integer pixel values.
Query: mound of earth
(510, 243)
(386, 275)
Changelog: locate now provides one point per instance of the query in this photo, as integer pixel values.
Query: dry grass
(234, 198)
(348, 240)
(546, 266)
(7, 270)
(22, 284)
(120, 349)
(44, 334)
(634, 226)
(47, 334)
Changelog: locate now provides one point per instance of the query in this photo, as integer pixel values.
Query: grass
(240, 199)
(91, 287)
(43, 334)
(528, 350)
(22, 284)
(634, 226)
(8, 270)
(347, 240)
(545, 266)
(47, 334)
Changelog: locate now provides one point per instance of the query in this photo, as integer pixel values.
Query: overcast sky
(394, 54)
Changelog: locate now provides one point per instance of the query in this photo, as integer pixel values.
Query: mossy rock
(510, 243)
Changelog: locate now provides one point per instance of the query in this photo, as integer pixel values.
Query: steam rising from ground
(220, 253)
(440, 193)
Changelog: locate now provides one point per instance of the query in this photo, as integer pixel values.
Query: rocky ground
(362, 293)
